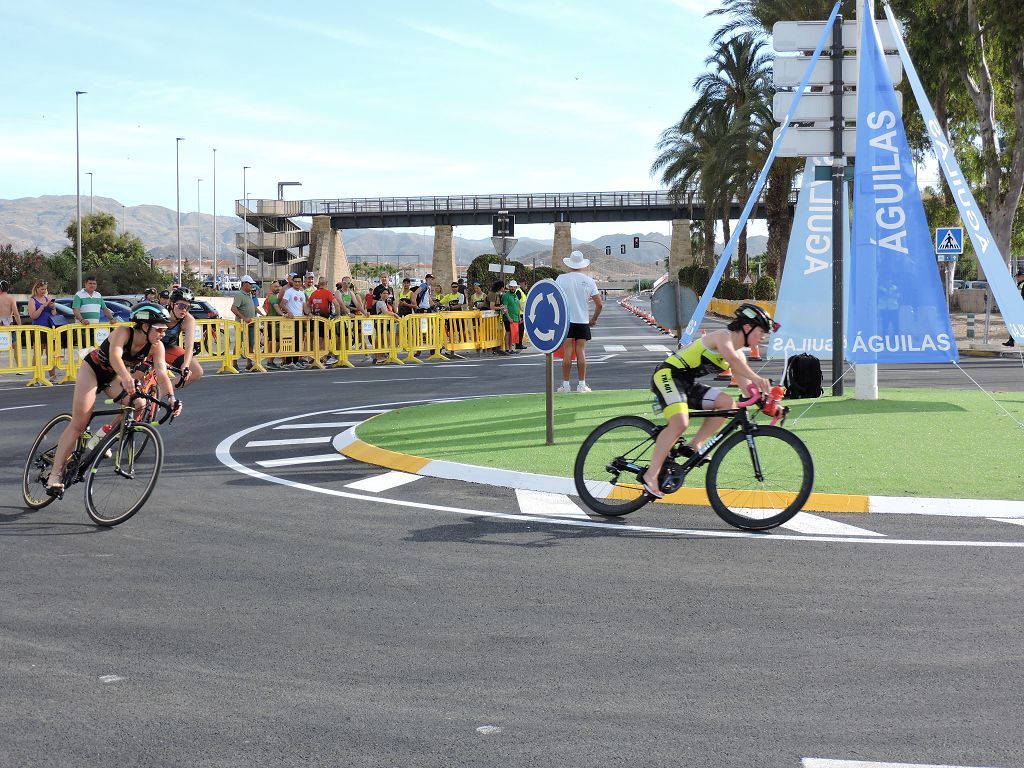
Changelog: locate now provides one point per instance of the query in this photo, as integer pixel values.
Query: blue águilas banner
(804, 308)
(1007, 297)
(898, 310)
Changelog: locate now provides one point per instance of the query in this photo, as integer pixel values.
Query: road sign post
(546, 323)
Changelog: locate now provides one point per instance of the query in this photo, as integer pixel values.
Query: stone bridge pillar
(562, 246)
(327, 255)
(680, 254)
(443, 265)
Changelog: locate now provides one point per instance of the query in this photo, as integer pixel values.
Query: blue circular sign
(546, 316)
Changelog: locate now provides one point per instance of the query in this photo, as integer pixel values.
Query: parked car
(122, 312)
(983, 284)
(958, 284)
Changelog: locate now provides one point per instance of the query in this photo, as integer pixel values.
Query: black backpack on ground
(803, 377)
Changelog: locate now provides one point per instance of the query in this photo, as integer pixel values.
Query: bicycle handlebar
(757, 397)
(139, 394)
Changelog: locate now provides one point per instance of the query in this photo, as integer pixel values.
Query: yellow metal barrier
(422, 333)
(214, 344)
(21, 351)
(490, 332)
(461, 330)
(307, 337)
(77, 341)
(374, 335)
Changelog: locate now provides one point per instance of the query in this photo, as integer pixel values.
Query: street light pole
(91, 209)
(199, 227)
(177, 190)
(245, 223)
(123, 228)
(216, 266)
(78, 197)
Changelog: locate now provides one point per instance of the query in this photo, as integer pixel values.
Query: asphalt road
(262, 610)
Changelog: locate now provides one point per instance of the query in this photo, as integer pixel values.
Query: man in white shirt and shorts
(579, 290)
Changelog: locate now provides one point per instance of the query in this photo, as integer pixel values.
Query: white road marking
(223, 453)
(347, 412)
(614, 348)
(290, 441)
(384, 482)
(322, 458)
(557, 504)
(656, 348)
(1012, 520)
(111, 678)
(817, 762)
(906, 505)
(16, 407)
(806, 523)
(320, 425)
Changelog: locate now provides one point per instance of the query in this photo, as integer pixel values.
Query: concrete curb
(349, 444)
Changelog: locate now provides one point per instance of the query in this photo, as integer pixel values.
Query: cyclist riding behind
(182, 323)
(108, 364)
(675, 383)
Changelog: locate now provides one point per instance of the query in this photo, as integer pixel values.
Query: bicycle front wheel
(609, 463)
(762, 483)
(123, 474)
(40, 462)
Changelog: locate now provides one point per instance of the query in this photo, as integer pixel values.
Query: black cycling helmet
(183, 294)
(148, 312)
(751, 313)
(165, 294)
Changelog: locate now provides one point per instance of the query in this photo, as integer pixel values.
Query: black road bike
(119, 472)
(758, 475)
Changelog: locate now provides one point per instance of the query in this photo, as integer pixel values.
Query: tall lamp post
(215, 265)
(91, 209)
(245, 224)
(78, 197)
(199, 227)
(177, 190)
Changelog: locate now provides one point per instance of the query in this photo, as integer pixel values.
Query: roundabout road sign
(546, 316)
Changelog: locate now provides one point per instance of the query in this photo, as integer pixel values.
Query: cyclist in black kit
(108, 365)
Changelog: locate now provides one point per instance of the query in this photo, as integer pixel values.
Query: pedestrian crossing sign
(949, 240)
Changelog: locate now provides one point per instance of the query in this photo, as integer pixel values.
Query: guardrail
(45, 352)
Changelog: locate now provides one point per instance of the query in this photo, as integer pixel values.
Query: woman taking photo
(40, 312)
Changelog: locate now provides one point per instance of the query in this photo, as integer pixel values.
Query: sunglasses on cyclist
(180, 305)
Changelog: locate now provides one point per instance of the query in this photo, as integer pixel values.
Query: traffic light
(636, 242)
(607, 250)
(622, 248)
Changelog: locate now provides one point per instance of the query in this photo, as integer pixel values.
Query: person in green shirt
(510, 303)
(88, 303)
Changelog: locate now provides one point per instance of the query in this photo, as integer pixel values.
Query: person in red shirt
(320, 304)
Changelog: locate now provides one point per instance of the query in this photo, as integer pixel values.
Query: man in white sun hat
(579, 290)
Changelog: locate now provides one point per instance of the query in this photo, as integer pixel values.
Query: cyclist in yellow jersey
(675, 382)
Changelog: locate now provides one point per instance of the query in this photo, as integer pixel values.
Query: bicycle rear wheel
(609, 462)
(787, 476)
(123, 474)
(40, 462)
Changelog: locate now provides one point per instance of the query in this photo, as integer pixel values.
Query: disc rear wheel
(609, 463)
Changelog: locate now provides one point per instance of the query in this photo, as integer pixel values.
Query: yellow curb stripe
(817, 502)
(371, 454)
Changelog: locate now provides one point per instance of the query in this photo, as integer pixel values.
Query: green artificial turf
(909, 442)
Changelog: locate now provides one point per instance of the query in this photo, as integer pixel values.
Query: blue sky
(351, 98)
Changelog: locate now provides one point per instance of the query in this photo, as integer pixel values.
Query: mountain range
(40, 222)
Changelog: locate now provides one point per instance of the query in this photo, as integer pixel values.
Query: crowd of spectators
(299, 296)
